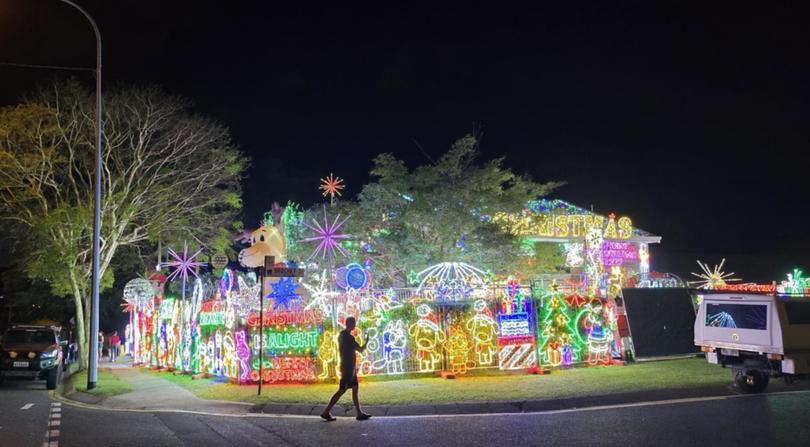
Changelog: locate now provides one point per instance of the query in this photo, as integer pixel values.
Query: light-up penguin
(428, 339)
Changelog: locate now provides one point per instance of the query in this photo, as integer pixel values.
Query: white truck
(758, 336)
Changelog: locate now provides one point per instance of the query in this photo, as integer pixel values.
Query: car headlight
(49, 354)
(32, 355)
(12, 354)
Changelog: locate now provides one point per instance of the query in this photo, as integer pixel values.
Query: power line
(49, 67)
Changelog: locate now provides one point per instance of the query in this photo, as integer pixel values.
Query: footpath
(152, 393)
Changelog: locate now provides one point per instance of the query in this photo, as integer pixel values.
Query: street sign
(285, 272)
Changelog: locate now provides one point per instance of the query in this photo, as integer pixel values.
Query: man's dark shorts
(348, 381)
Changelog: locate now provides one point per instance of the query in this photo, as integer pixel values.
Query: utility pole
(92, 374)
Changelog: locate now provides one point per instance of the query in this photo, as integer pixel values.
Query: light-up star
(183, 265)
(328, 236)
(321, 295)
(331, 186)
(712, 278)
(283, 292)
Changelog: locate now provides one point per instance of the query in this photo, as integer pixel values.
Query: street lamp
(92, 374)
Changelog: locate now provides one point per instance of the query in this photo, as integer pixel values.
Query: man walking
(115, 343)
(348, 375)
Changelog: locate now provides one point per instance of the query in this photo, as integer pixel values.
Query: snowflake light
(183, 265)
(283, 292)
(331, 186)
(247, 298)
(328, 236)
(321, 295)
(451, 280)
(712, 278)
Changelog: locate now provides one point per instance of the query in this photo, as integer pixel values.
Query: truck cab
(758, 336)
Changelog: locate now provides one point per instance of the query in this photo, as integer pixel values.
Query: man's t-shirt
(348, 346)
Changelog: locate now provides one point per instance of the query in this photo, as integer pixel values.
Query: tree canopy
(406, 219)
(168, 174)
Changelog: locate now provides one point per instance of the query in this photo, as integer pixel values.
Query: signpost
(270, 271)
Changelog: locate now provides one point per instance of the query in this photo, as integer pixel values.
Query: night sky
(691, 119)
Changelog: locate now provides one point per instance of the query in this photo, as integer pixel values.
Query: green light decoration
(293, 219)
(289, 340)
(558, 345)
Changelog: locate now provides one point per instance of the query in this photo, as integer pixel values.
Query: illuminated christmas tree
(556, 343)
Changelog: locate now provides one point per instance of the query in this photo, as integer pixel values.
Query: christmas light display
(451, 281)
(427, 338)
(328, 237)
(283, 292)
(183, 265)
(459, 318)
(320, 296)
(712, 278)
(331, 186)
(484, 332)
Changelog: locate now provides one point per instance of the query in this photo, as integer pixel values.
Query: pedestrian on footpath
(115, 342)
(100, 345)
(348, 372)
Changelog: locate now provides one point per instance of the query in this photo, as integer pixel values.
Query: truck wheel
(758, 381)
(53, 378)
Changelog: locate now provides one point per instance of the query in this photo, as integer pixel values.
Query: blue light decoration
(283, 292)
(353, 277)
(226, 283)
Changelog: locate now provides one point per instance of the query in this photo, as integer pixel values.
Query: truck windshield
(29, 336)
(798, 312)
(740, 316)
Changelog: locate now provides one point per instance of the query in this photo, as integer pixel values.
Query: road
(769, 419)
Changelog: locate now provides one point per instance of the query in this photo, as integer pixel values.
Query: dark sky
(690, 118)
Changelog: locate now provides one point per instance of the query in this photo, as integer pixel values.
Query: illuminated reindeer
(267, 240)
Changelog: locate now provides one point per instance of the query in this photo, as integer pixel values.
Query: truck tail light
(775, 356)
(706, 349)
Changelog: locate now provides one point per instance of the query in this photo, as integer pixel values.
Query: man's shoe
(328, 417)
(363, 416)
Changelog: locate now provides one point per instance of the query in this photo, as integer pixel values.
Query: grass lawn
(107, 385)
(482, 386)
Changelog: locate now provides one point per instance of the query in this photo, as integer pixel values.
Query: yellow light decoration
(484, 332)
(458, 350)
(428, 339)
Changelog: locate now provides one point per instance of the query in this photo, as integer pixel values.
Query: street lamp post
(92, 374)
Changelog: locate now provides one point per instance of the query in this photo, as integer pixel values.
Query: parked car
(758, 336)
(31, 352)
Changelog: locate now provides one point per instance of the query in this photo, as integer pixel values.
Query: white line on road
(527, 413)
(27, 406)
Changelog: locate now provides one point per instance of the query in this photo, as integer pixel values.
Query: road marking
(54, 420)
(27, 406)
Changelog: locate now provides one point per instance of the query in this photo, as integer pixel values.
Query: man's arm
(359, 347)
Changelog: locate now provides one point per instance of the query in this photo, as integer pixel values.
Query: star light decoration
(321, 295)
(283, 292)
(183, 265)
(328, 236)
(712, 278)
(331, 186)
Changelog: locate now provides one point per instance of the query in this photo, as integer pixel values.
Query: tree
(167, 174)
(408, 219)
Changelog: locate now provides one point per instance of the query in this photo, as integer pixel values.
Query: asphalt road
(770, 419)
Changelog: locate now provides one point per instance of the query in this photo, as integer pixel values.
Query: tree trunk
(81, 324)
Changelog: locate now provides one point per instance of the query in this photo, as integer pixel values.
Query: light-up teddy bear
(428, 339)
(484, 331)
(458, 349)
